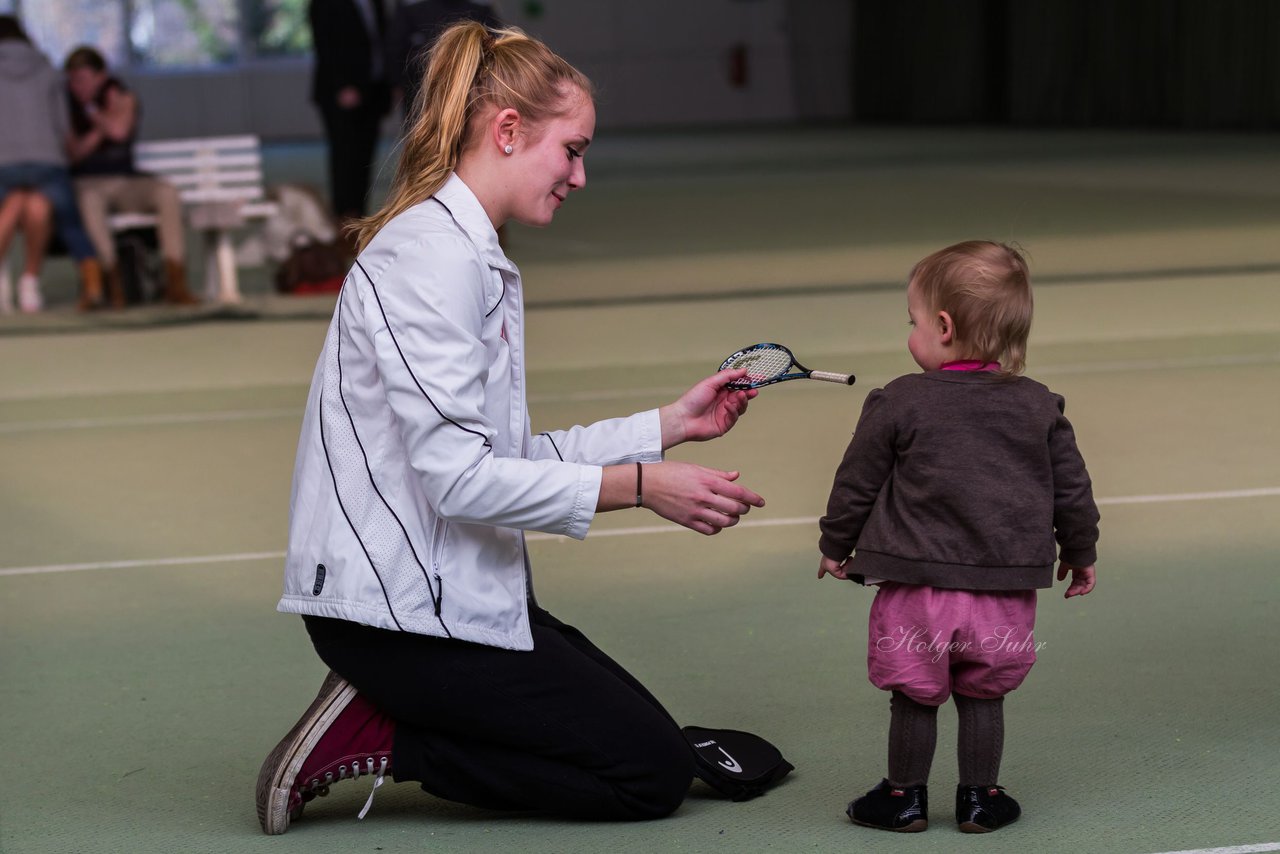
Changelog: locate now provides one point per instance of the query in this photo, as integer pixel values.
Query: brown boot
(90, 284)
(175, 284)
(115, 287)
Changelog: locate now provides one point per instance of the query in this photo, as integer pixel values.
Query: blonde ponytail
(470, 70)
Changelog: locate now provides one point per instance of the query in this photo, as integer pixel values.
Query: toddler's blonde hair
(986, 289)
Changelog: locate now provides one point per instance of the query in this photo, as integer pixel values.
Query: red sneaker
(340, 736)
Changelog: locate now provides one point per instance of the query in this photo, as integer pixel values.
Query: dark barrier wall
(1092, 63)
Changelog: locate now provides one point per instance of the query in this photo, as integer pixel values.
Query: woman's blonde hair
(986, 289)
(471, 70)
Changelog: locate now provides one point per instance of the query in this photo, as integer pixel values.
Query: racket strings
(763, 364)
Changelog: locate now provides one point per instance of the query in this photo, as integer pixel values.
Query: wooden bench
(220, 181)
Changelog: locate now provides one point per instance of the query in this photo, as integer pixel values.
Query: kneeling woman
(417, 475)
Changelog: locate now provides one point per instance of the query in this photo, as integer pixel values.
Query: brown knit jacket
(962, 479)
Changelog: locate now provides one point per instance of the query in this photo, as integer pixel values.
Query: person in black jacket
(349, 87)
(415, 26)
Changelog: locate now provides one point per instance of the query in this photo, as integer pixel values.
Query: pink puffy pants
(929, 641)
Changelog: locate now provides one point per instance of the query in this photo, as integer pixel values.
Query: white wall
(269, 99)
(667, 61)
(655, 62)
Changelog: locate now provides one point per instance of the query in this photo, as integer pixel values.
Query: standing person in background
(104, 126)
(350, 89)
(414, 29)
(33, 158)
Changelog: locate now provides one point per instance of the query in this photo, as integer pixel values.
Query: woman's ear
(506, 128)
(946, 328)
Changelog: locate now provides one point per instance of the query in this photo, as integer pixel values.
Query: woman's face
(84, 83)
(547, 163)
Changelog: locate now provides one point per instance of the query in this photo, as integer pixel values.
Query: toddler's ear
(946, 327)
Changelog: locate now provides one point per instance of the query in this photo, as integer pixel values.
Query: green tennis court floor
(146, 464)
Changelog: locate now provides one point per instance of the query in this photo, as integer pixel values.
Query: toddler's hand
(1082, 578)
(827, 566)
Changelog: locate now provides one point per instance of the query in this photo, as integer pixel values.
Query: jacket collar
(466, 210)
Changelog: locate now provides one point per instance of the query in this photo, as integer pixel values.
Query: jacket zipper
(437, 595)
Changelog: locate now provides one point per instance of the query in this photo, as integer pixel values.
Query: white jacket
(416, 473)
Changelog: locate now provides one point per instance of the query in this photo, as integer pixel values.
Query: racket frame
(802, 373)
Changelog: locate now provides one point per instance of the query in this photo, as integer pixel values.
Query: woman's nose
(578, 177)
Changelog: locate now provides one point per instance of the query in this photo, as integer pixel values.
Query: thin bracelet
(639, 481)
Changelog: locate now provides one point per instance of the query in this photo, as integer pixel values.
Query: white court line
(676, 529)
(1265, 492)
(622, 392)
(625, 392)
(1232, 849)
(133, 564)
(99, 390)
(148, 420)
(1159, 364)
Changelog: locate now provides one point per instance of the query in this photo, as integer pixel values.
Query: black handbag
(738, 764)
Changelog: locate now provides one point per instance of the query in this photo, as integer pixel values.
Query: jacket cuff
(1079, 557)
(585, 502)
(650, 437)
(832, 549)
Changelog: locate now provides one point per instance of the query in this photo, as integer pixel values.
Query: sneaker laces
(320, 787)
(377, 781)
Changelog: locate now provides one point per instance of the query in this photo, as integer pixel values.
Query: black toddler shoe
(901, 809)
(982, 809)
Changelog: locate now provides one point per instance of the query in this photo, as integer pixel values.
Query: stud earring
(507, 150)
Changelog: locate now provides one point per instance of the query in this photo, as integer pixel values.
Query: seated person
(30, 211)
(33, 162)
(104, 125)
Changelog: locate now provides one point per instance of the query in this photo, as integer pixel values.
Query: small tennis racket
(767, 364)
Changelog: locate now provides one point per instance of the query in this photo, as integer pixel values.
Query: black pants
(353, 139)
(562, 729)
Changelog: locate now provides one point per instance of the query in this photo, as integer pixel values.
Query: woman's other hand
(699, 498)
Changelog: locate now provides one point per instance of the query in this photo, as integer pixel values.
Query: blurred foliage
(213, 46)
(168, 33)
(279, 27)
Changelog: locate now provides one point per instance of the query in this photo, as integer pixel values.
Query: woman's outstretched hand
(706, 411)
(699, 498)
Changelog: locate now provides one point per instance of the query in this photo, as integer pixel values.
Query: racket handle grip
(828, 377)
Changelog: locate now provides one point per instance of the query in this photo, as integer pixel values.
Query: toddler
(950, 497)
